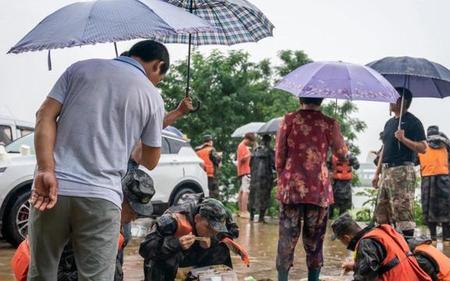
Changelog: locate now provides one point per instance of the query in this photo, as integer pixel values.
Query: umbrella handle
(196, 101)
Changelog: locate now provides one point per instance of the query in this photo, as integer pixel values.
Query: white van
(11, 129)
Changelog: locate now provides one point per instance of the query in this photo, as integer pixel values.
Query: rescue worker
(138, 190)
(262, 167)
(430, 259)
(192, 234)
(395, 174)
(435, 184)
(211, 159)
(342, 173)
(381, 252)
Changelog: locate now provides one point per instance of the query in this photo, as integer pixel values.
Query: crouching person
(430, 259)
(381, 253)
(190, 234)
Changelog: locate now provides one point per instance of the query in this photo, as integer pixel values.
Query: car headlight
(2, 169)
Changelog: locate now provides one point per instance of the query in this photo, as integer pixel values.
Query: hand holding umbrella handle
(195, 101)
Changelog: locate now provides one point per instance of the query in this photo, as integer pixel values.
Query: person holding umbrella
(395, 174)
(303, 141)
(85, 132)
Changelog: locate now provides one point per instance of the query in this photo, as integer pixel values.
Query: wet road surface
(259, 239)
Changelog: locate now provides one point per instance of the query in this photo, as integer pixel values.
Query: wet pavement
(259, 239)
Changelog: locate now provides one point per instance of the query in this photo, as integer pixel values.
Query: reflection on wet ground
(260, 239)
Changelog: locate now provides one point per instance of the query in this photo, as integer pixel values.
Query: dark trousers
(314, 226)
(213, 187)
(166, 270)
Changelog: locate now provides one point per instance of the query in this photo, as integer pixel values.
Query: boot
(262, 214)
(432, 227)
(408, 233)
(313, 274)
(283, 275)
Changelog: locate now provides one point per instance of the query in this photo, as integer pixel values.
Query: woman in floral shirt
(304, 189)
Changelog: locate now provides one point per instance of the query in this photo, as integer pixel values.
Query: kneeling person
(381, 252)
(187, 235)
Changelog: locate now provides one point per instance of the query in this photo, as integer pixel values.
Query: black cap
(341, 225)
(138, 189)
(207, 138)
(216, 214)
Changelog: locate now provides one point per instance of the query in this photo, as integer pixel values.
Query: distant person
(243, 171)
(85, 132)
(212, 161)
(381, 253)
(395, 171)
(262, 167)
(304, 189)
(342, 174)
(435, 189)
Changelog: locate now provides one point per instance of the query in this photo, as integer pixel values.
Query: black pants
(166, 270)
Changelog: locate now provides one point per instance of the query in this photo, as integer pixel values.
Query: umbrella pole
(115, 48)
(189, 54)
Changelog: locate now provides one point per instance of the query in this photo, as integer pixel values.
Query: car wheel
(16, 228)
(177, 199)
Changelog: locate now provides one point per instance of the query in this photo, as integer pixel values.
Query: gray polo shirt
(107, 107)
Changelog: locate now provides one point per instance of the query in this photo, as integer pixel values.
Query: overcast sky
(357, 31)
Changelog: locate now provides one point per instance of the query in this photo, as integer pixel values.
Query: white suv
(179, 171)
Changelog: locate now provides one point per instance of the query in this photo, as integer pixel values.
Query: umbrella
(252, 127)
(422, 77)
(101, 21)
(271, 127)
(338, 80)
(235, 21)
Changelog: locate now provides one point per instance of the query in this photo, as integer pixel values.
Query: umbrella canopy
(338, 80)
(247, 128)
(271, 127)
(422, 77)
(101, 21)
(236, 21)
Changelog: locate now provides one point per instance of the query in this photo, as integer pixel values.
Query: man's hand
(348, 266)
(375, 180)
(186, 241)
(185, 106)
(205, 243)
(45, 190)
(400, 135)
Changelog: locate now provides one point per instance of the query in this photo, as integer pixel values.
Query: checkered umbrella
(235, 21)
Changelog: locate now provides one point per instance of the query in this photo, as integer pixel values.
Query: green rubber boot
(283, 275)
(313, 274)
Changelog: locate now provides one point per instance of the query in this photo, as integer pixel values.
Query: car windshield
(15, 146)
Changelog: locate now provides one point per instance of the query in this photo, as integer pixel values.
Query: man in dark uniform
(396, 166)
(262, 167)
(187, 235)
(381, 253)
(211, 159)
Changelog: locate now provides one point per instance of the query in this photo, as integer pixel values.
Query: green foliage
(234, 91)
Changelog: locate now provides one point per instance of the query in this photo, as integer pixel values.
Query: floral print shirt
(303, 142)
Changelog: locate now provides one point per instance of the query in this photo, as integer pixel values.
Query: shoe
(313, 274)
(283, 276)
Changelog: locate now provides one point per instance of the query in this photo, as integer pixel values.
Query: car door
(167, 173)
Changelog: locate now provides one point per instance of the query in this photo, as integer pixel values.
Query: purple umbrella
(338, 80)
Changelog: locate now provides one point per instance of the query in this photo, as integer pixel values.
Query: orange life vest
(441, 260)
(341, 169)
(434, 162)
(204, 153)
(21, 259)
(399, 263)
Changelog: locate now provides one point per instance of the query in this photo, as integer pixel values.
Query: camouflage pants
(396, 197)
(314, 226)
(213, 187)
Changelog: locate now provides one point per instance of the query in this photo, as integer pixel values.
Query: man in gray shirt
(85, 132)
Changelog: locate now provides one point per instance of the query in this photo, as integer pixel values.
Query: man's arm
(369, 257)
(416, 146)
(184, 107)
(44, 193)
(149, 156)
